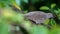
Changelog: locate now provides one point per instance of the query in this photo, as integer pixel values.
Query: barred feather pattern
(38, 16)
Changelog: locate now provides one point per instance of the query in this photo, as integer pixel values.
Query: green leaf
(53, 23)
(58, 9)
(53, 5)
(44, 8)
(58, 16)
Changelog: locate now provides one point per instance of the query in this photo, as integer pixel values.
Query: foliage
(8, 16)
(44, 8)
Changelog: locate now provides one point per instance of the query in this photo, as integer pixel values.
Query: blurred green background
(12, 21)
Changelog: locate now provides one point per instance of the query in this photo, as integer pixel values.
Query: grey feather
(38, 16)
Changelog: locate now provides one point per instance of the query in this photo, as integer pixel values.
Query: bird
(38, 16)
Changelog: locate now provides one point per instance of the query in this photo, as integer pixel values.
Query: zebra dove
(38, 16)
